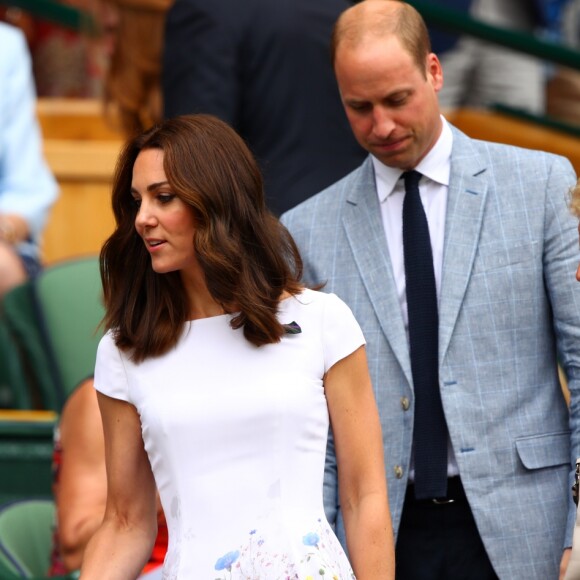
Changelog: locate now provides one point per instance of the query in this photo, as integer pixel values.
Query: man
(27, 187)
(263, 67)
(495, 501)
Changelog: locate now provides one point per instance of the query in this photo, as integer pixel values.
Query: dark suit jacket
(263, 66)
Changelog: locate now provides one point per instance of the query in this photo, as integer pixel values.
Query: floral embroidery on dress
(324, 559)
(225, 562)
(172, 562)
(323, 549)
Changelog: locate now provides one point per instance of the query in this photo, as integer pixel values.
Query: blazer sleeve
(560, 259)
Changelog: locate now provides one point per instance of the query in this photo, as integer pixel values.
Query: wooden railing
(81, 151)
(504, 128)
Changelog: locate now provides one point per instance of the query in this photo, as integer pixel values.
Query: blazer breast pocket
(506, 257)
(545, 450)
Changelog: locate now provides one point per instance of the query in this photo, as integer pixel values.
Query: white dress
(236, 436)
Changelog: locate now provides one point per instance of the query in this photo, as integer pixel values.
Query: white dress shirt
(435, 168)
(433, 188)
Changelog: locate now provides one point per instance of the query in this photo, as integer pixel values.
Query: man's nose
(383, 124)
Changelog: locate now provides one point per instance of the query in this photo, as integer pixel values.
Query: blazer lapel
(365, 233)
(468, 186)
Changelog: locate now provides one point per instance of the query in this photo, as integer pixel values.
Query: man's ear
(434, 72)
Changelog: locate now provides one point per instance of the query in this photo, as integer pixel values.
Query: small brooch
(292, 328)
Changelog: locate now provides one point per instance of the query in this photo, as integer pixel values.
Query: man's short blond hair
(381, 19)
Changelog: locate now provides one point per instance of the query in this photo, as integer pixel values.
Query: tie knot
(412, 179)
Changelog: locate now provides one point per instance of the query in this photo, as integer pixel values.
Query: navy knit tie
(430, 429)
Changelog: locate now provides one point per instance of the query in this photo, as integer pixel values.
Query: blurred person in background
(481, 74)
(563, 96)
(27, 187)
(263, 66)
(67, 60)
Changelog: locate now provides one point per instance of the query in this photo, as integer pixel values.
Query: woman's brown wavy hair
(247, 256)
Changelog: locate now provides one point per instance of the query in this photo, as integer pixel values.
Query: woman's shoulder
(108, 346)
(108, 339)
(312, 301)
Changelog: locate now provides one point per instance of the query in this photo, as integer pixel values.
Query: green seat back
(26, 536)
(68, 297)
(26, 447)
(7, 570)
(39, 387)
(14, 388)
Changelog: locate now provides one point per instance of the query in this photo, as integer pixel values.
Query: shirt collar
(436, 165)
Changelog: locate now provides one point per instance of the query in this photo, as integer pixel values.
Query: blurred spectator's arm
(81, 492)
(27, 187)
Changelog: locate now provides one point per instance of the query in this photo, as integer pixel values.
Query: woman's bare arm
(122, 544)
(361, 473)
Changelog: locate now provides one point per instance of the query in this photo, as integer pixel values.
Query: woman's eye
(165, 197)
(137, 202)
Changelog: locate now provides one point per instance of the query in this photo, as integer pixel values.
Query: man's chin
(390, 157)
(394, 161)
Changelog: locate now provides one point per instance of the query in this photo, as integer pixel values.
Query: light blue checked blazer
(509, 307)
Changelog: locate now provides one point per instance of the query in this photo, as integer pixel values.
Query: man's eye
(398, 100)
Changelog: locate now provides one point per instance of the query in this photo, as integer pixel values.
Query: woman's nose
(145, 216)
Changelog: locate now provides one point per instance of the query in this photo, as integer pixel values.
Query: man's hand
(564, 562)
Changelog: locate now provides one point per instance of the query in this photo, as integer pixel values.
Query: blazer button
(405, 403)
(398, 471)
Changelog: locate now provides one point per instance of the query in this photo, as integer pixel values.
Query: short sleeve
(110, 375)
(341, 333)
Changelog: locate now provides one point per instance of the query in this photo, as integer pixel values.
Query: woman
(217, 377)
